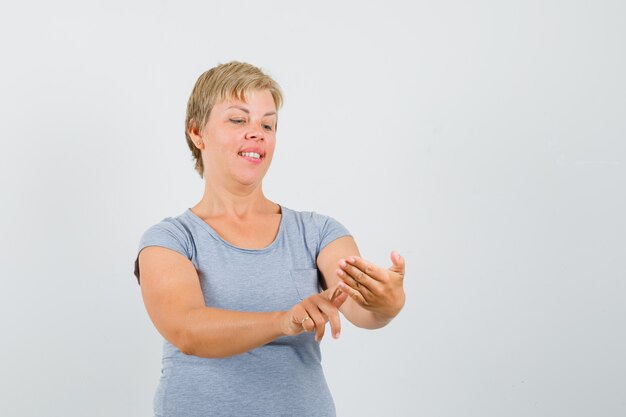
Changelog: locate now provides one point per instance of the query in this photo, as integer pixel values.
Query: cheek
(269, 151)
(271, 143)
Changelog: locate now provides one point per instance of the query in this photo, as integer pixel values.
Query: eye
(237, 121)
(268, 127)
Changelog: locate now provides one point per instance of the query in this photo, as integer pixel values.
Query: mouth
(252, 155)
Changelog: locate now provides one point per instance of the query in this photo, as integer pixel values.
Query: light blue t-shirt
(281, 378)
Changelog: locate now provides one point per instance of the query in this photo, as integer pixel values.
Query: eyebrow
(243, 109)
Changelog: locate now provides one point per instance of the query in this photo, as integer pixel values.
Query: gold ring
(305, 319)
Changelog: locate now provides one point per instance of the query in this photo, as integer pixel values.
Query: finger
(298, 313)
(340, 299)
(397, 263)
(332, 315)
(301, 317)
(352, 283)
(319, 322)
(331, 293)
(354, 294)
(308, 325)
(335, 296)
(358, 279)
(368, 268)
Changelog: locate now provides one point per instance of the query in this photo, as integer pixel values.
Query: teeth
(250, 154)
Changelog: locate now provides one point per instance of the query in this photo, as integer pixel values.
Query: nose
(255, 133)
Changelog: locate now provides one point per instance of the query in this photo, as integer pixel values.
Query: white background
(483, 140)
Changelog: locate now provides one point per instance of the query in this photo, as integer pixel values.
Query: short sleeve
(166, 234)
(329, 230)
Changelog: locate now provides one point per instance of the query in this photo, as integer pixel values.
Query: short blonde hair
(225, 81)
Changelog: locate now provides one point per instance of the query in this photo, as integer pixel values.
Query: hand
(374, 288)
(312, 313)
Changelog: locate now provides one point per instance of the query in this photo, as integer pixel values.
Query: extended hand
(372, 287)
(312, 313)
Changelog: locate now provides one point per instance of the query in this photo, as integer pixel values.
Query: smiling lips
(252, 154)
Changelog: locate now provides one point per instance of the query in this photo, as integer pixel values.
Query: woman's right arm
(172, 295)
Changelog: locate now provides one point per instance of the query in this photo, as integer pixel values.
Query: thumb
(398, 262)
(336, 296)
(340, 299)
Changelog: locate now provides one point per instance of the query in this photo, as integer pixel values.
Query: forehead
(252, 100)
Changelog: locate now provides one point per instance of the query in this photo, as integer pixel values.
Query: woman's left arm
(376, 294)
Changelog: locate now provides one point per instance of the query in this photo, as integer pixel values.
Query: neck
(234, 201)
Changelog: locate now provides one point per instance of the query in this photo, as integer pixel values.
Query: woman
(232, 283)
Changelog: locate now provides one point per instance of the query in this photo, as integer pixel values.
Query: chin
(250, 181)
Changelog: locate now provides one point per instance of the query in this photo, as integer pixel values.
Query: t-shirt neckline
(217, 236)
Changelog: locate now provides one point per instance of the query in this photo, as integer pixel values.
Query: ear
(194, 134)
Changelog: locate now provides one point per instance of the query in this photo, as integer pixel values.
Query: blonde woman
(232, 283)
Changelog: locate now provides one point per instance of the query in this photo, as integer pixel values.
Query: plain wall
(483, 140)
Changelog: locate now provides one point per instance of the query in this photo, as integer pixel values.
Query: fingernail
(351, 259)
(340, 272)
(342, 263)
(337, 335)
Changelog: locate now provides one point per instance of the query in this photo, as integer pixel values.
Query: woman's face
(239, 138)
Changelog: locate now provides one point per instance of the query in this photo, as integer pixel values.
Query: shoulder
(321, 227)
(308, 218)
(169, 226)
(171, 232)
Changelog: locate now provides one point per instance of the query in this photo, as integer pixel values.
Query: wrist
(382, 318)
(281, 323)
(385, 315)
